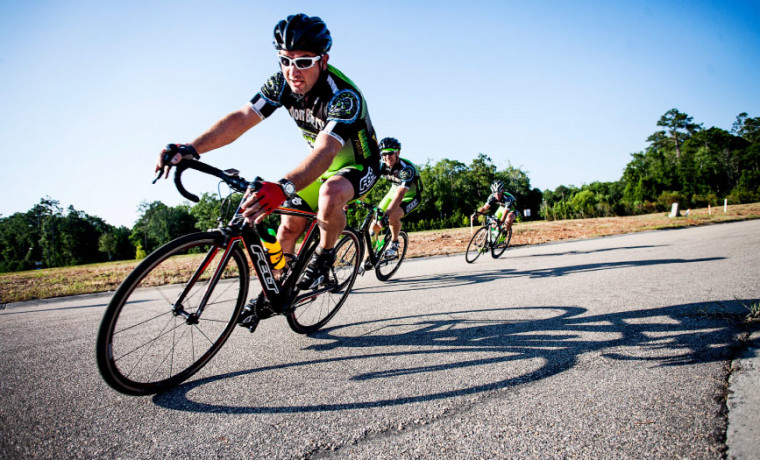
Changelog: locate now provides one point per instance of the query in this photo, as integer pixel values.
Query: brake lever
(166, 160)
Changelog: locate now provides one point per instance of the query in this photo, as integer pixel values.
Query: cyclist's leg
(343, 186)
(510, 219)
(292, 227)
(384, 203)
(394, 220)
(499, 214)
(410, 202)
(337, 190)
(333, 196)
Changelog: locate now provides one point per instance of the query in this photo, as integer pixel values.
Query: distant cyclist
(332, 115)
(405, 193)
(506, 211)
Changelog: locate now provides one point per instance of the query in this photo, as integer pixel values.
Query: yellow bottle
(269, 240)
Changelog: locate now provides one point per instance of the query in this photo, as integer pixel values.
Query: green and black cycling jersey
(507, 201)
(336, 107)
(403, 174)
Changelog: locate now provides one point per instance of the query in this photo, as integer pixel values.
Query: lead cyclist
(333, 118)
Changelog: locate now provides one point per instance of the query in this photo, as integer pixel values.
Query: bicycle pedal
(250, 322)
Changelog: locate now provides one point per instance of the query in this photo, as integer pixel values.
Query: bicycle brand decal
(263, 268)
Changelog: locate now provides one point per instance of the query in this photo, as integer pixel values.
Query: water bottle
(269, 240)
(379, 243)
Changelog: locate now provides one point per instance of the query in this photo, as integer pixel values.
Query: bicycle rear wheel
(172, 314)
(501, 243)
(387, 267)
(317, 307)
(478, 245)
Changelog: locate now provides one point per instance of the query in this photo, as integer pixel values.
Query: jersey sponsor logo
(344, 107)
(263, 268)
(307, 116)
(406, 174)
(363, 144)
(367, 181)
(412, 204)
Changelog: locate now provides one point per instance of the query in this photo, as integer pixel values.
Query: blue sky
(91, 90)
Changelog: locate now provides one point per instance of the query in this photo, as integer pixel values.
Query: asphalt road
(617, 347)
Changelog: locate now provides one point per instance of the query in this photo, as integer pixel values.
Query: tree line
(683, 163)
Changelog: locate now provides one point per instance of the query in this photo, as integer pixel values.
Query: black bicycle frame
(280, 294)
(364, 230)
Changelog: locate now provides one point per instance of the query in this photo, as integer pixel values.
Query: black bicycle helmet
(390, 143)
(302, 33)
(497, 186)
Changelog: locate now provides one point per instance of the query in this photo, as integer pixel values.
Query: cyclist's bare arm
(220, 134)
(226, 130)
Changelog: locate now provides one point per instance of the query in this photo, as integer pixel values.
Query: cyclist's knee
(336, 192)
(395, 214)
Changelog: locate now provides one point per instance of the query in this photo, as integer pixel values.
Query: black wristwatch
(287, 187)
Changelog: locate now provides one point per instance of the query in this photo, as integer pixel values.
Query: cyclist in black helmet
(332, 115)
(405, 193)
(505, 200)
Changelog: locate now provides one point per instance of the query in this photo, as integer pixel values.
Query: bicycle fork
(179, 309)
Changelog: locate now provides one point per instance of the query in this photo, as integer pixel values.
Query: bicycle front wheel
(478, 245)
(172, 314)
(501, 243)
(388, 266)
(317, 307)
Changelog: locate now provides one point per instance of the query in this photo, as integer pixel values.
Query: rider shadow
(591, 251)
(472, 342)
(458, 279)
(442, 280)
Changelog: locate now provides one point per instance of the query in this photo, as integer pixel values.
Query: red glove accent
(270, 196)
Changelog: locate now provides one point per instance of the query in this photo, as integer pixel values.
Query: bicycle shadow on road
(487, 343)
(458, 279)
(585, 252)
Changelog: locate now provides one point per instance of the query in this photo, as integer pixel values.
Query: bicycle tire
(477, 245)
(386, 268)
(497, 249)
(312, 312)
(143, 347)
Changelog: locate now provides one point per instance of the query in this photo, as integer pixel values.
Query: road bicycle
(178, 307)
(490, 236)
(385, 266)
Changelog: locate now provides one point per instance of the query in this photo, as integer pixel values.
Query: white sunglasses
(299, 62)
